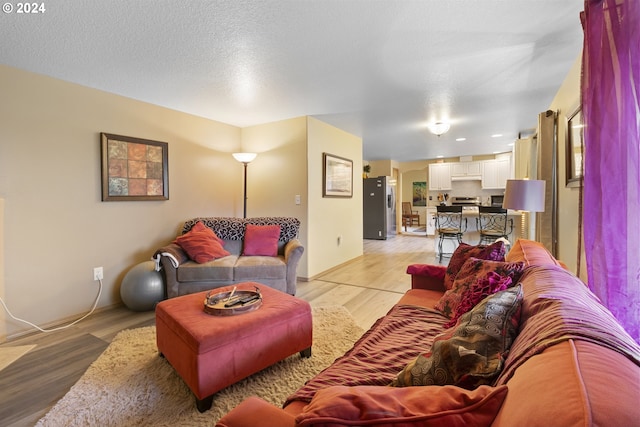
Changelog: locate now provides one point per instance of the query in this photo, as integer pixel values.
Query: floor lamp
(525, 195)
(245, 159)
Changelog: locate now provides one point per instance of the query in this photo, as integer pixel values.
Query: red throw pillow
(492, 252)
(412, 406)
(261, 240)
(201, 244)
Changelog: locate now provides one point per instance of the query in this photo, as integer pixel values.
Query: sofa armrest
(293, 251)
(171, 256)
(254, 411)
(427, 276)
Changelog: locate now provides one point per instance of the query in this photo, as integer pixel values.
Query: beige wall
(332, 217)
(565, 102)
(57, 229)
(279, 173)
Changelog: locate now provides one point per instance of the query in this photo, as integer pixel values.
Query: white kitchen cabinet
(439, 176)
(495, 173)
(466, 170)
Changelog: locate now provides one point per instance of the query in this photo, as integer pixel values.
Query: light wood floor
(368, 287)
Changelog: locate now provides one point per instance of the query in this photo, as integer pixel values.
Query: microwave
(496, 200)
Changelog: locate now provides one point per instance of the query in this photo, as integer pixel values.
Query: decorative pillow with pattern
(493, 252)
(473, 270)
(479, 290)
(472, 353)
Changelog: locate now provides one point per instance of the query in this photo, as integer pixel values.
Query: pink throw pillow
(261, 240)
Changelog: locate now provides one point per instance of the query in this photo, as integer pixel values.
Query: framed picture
(575, 148)
(419, 196)
(133, 168)
(337, 173)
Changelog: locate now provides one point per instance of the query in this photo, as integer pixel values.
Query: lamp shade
(244, 157)
(524, 195)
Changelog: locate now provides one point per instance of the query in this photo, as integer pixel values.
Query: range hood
(467, 178)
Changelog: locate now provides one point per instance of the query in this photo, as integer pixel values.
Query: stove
(465, 201)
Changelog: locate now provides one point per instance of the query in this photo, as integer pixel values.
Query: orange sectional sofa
(570, 363)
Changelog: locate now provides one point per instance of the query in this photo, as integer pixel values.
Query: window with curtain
(611, 111)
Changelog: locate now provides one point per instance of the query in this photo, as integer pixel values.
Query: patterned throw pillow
(472, 353)
(479, 290)
(493, 252)
(473, 270)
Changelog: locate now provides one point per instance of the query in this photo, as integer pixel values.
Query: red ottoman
(212, 352)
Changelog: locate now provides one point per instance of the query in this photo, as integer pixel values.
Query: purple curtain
(611, 112)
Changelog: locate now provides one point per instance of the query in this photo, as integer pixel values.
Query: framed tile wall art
(133, 169)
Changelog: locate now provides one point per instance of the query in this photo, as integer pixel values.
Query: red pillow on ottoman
(492, 252)
(261, 240)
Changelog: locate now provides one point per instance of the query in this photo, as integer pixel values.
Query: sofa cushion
(473, 270)
(220, 269)
(419, 406)
(261, 240)
(492, 252)
(472, 353)
(263, 267)
(201, 244)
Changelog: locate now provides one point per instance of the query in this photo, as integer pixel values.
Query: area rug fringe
(130, 385)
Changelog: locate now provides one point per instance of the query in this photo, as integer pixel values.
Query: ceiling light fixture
(438, 128)
(461, 139)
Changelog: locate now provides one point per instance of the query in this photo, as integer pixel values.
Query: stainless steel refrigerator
(379, 208)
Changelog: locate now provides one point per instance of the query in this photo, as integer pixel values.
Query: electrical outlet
(98, 274)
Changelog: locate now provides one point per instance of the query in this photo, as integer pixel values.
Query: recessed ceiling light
(461, 139)
(496, 135)
(510, 145)
(439, 157)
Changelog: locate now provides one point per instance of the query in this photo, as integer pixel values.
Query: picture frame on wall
(419, 193)
(337, 176)
(134, 169)
(574, 148)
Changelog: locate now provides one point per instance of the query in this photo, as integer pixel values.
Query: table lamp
(526, 195)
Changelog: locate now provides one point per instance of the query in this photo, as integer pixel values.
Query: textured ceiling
(378, 69)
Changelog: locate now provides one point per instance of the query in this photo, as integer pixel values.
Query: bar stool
(449, 225)
(492, 223)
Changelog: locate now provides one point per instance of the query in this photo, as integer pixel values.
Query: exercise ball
(142, 287)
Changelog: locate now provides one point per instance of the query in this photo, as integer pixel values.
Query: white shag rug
(131, 385)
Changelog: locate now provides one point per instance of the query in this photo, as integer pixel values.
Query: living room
(54, 228)
(52, 214)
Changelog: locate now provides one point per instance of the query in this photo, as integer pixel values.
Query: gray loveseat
(184, 276)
